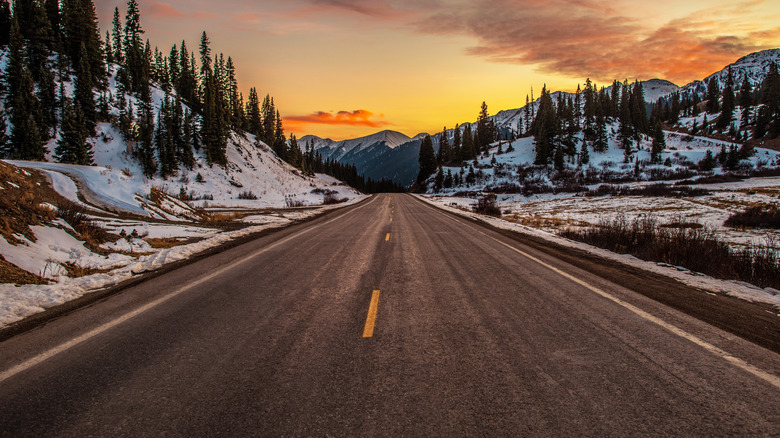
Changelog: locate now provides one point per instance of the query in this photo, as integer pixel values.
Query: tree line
(52, 42)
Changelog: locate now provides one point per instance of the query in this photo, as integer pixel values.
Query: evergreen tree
(544, 129)
(713, 90)
(84, 94)
(769, 115)
(467, 150)
(5, 23)
(80, 27)
(638, 110)
(254, 116)
(116, 35)
(27, 142)
(144, 149)
(601, 142)
(456, 154)
(280, 142)
(427, 160)
(438, 180)
(626, 129)
(269, 123)
(584, 156)
(745, 102)
(444, 153)
(727, 107)
(659, 143)
(447, 183)
(5, 146)
(484, 130)
(708, 162)
(72, 146)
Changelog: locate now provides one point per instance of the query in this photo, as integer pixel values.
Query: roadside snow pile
(737, 289)
(55, 246)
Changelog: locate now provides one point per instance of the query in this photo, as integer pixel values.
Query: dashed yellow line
(387, 237)
(368, 330)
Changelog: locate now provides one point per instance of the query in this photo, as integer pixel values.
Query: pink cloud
(164, 11)
(358, 117)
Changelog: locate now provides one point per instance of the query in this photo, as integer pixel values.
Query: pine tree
(72, 146)
(484, 132)
(638, 110)
(584, 156)
(144, 149)
(745, 102)
(727, 107)
(467, 150)
(269, 123)
(713, 90)
(116, 35)
(659, 143)
(444, 154)
(27, 142)
(438, 181)
(280, 142)
(5, 23)
(456, 153)
(80, 27)
(544, 129)
(5, 146)
(427, 160)
(770, 97)
(254, 116)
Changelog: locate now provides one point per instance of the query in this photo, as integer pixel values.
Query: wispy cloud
(595, 38)
(165, 11)
(358, 117)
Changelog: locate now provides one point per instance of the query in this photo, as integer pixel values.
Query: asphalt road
(359, 325)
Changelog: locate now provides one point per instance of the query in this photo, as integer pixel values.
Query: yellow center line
(387, 237)
(368, 330)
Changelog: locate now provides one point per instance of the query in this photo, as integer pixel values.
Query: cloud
(585, 38)
(358, 117)
(164, 11)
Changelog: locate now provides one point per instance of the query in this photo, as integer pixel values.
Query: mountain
(753, 66)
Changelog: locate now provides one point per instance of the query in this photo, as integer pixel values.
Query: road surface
(391, 318)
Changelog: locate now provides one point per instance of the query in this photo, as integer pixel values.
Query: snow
(737, 289)
(55, 246)
(124, 201)
(337, 150)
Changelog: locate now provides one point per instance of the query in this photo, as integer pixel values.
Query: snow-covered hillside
(117, 183)
(754, 66)
(330, 149)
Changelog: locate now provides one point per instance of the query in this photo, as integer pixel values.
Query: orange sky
(347, 68)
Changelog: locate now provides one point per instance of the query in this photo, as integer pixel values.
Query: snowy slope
(755, 66)
(338, 150)
(117, 182)
(657, 88)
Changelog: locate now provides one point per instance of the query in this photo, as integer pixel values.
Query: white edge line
(739, 363)
(48, 354)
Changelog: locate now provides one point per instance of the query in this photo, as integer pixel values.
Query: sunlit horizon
(344, 68)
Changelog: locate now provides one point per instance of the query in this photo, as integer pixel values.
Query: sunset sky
(347, 68)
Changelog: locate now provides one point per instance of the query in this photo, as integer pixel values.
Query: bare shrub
(247, 194)
(761, 216)
(488, 205)
(695, 248)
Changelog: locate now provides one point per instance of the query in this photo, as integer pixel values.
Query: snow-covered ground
(734, 288)
(133, 256)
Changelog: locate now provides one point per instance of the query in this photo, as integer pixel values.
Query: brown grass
(74, 270)
(22, 202)
(10, 273)
(164, 242)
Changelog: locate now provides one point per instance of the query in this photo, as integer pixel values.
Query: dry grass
(74, 270)
(10, 273)
(22, 202)
(165, 242)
